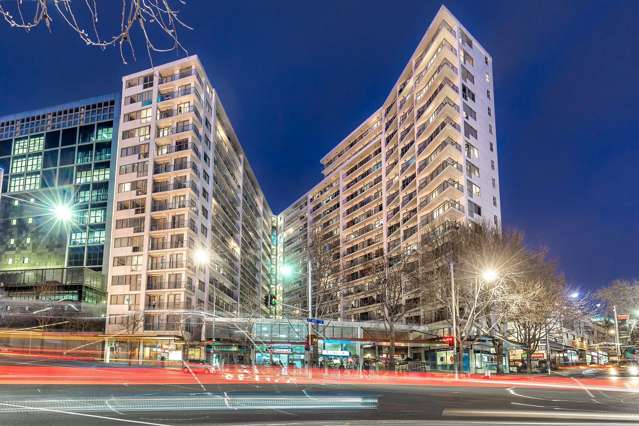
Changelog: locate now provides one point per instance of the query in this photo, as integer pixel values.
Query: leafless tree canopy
(391, 277)
(152, 18)
(324, 276)
(622, 294)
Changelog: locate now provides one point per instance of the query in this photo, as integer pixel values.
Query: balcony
(163, 226)
(166, 244)
(160, 168)
(167, 96)
(174, 130)
(160, 264)
(449, 209)
(161, 305)
(163, 205)
(162, 284)
(167, 186)
(178, 76)
(175, 112)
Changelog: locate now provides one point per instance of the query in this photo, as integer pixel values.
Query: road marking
(527, 405)
(571, 415)
(72, 413)
(581, 385)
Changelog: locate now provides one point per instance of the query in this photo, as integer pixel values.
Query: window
(21, 146)
(490, 112)
(18, 165)
(468, 59)
(490, 129)
(467, 75)
(486, 60)
(141, 150)
(472, 170)
(142, 133)
(467, 94)
(494, 201)
(473, 190)
(100, 174)
(95, 255)
(488, 94)
(105, 131)
(97, 215)
(96, 236)
(469, 131)
(34, 162)
(492, 147)
(487, 77)
(78, 238)
(473, 209)
(469, 112)
(25, 259)
(492, 164)
(494, 182)
(471, 151)
(133, 280)
(466, 40)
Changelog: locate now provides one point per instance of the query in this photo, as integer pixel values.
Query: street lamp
(286, 271)
(62, 212)
(200, 256)
(574, 295)
(489, 275)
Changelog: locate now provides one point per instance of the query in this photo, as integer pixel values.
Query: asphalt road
(280, 404)
(297, 404)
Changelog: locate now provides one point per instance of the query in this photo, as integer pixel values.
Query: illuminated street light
(574, 295)
(286, 271)
(62, 212)
(201, 256)
(489, 275)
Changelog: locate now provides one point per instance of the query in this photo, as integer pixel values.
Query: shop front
(336, 353)
(280, 354)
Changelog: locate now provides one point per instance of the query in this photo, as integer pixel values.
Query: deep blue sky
(297, 77)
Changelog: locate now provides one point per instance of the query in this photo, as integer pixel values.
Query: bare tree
(471, 250)
(323, 258)
(145, 16)
(622, 294)
(392, 276)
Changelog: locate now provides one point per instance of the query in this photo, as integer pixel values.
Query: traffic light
(273, 300)
(266, 299)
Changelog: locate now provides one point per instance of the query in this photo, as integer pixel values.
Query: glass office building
(55, 201)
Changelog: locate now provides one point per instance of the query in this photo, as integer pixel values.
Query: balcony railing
(173, 112)
(166, 186)
(177, 93)
(174, 77)
(163, 285)
(157, 264)
(168, 131)
(162, 226)
(154, 306)
(165, 244)
(162, 205)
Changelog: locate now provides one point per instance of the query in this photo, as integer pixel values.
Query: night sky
(297, 77)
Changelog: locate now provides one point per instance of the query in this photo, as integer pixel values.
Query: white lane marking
(72, 413)
(195, 377)
(528, 405)
(581, 385)
(574, 415)
(112, 409)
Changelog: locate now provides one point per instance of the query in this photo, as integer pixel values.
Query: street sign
(315, 321)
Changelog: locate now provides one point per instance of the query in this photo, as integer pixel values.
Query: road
(202, 399)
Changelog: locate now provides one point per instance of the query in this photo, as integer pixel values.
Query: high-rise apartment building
(191, 227)
(427, 157)
(55, 201)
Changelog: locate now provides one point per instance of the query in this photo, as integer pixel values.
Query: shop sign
(538, 355)
(282, 350)
(335, 353)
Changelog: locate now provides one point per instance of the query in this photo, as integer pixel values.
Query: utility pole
(617, 343)
(454, 312)
(547, 351)
(310, 310)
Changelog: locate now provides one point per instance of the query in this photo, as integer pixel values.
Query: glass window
(97, 215)
(78, 238)
(69, 136)
(21, 146)
(50, 159)
(95, 255)
(52, 140)
(67, 156)
(83, 194)
(76, 256)
(32, 182)
(48, 178)
(5, 147)
(87, 133)
(65, 176)
(34, 162)
(36, 143)
(16, 184)
(18, 165)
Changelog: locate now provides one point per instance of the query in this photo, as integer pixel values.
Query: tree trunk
(499, 349)
(460, 356)
(529, 362)
(391, 351)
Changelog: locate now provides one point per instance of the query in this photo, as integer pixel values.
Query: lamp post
(454, 314)
(617, 343)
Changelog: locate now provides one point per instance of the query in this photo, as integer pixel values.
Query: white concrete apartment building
(427, 157)
(191, 227)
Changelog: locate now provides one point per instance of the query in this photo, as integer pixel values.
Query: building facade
(55, 201)
(192, 231)
(426, 158)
